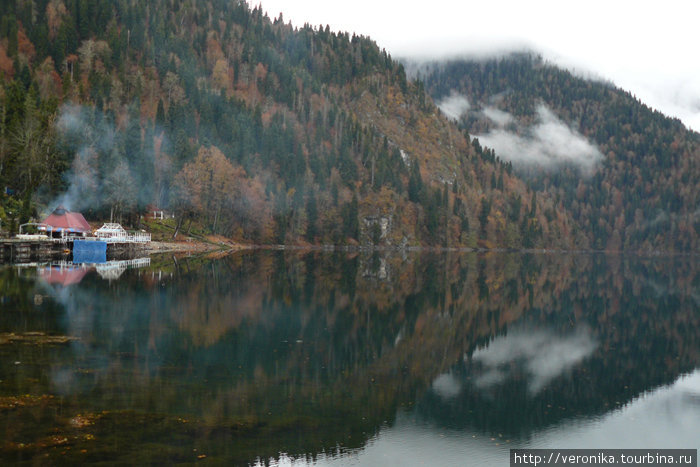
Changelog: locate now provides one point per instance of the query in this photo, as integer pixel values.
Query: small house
(112, 232)
(64, 223)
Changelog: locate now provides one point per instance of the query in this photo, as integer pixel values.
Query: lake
(309, 357)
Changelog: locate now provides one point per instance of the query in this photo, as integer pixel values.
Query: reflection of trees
(303, 352)
(645, 320)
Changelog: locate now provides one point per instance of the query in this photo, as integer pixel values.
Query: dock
(14, 250)
(65, 233)
(23, 250)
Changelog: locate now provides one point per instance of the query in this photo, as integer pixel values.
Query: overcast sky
(649, 48)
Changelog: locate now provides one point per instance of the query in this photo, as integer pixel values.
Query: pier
(64, 234)
(41, 248)
(24, 250)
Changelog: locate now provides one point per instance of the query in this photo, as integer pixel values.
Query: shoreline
(221, 244)
(194, 246)
(198, 246)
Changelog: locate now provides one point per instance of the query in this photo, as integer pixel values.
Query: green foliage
(105, 53)
(484, 212)
(311, 217)
(350, 216)
(514, 205)
(155, 82)
(10, 213)
(375, 233)
(415, 183)
(643, 195)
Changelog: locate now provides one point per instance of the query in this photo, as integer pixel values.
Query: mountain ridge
(251, 128)
(644, 190)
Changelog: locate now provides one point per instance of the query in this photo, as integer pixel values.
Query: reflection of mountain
(540, 356)
(311, 352)
(592, 351)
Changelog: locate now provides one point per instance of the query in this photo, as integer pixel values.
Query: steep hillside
(243, 125)
(629, 176)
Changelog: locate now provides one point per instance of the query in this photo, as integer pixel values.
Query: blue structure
(88, 251)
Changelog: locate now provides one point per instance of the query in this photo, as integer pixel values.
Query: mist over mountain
(628, 175)
(245, 126)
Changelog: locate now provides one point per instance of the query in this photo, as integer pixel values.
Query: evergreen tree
(484, 212)
(311, 217)
(415, 183)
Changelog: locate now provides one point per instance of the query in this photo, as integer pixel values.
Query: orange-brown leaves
(222, 193)
(214, 51)
(55, 11)
(220, 75)
(48, 80)
(25, 47)
(7, 70)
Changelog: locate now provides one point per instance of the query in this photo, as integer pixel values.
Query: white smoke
(83, 192)
(75, 128)
(99, 153)
(548, 143)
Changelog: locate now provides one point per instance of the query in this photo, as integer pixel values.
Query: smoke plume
(111, 166)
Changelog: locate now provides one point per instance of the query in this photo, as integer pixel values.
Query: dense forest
(248, 127)
(243, 124)
(642, 193)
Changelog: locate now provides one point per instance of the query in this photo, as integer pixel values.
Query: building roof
(63, 219)
(111, 229)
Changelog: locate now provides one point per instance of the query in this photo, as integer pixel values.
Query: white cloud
(498, 116)
(642, 47)
(548, 143)
(454, 106)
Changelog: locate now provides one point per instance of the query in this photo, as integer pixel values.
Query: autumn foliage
(251, 128)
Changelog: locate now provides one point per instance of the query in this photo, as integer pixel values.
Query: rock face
(375, 230)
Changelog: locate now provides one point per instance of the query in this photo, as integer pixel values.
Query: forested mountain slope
(629, 176)
(244, 125)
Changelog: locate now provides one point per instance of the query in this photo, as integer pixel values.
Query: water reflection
(68, 272)
(667, 416)
(542, 355)
(252, 355)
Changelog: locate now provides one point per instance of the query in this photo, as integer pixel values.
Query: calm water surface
(347, 359)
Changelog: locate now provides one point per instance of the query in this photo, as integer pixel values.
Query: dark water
(348, 359)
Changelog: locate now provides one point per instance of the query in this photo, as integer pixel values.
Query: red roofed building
(62, 220)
